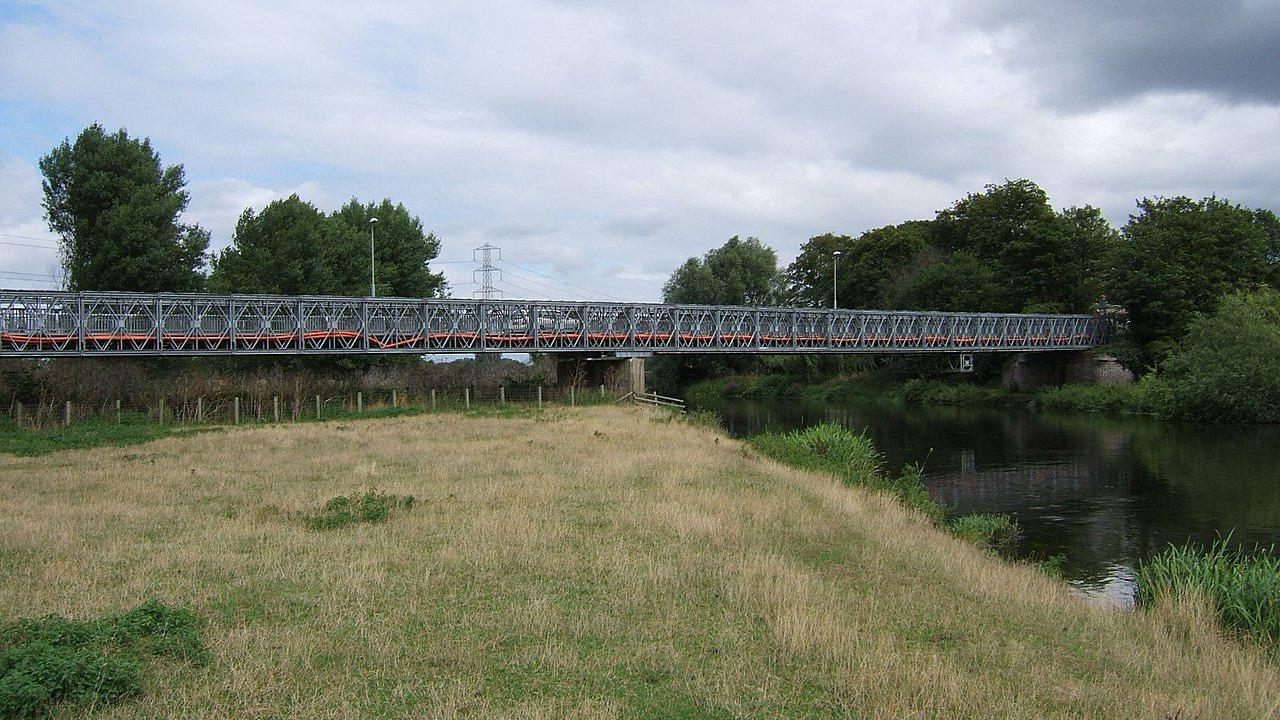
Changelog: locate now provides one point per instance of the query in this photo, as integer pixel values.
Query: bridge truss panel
(43, 324)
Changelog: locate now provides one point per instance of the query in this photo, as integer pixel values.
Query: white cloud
(606, 143)
(28, 254)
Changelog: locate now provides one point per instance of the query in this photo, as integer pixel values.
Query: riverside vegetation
(1226, 370)
(589, 563)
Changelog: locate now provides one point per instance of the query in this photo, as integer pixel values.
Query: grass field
(594, 563)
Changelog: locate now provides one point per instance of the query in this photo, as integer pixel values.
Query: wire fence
(245, 408)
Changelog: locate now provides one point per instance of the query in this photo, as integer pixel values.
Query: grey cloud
(1087, 53)
(519, 230)
(641, 226)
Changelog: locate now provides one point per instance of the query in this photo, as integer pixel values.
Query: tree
(956, 282)
(291, 247)
(740, 272)
(115, 208)
(1227, 369)
(285, 249)
(1179, 257)
(1042, 260)
(402, 251)
(809, 276)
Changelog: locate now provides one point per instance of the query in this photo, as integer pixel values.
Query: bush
(52, 660)
(1243, 588)
(1105, 399)
(853, 458)
(997, 533)
(368, 507)
(920, 391)
(1228, 369)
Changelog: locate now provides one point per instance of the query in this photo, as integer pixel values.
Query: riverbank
(597, 562)
(877, 387)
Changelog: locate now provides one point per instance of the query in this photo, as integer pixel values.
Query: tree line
(117, 210)
(1006, 249)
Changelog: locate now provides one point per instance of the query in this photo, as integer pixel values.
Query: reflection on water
(1102, 492)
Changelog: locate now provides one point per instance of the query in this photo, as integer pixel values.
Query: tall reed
(1242, 587)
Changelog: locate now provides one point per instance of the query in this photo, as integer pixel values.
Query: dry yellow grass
(586, 564)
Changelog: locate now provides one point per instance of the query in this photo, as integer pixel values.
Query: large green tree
(1042, 260)
(403, 250)
(869, 266)
(115, 207)
(292, 247)
(286, 248)
(1178, 258)
(740, 272)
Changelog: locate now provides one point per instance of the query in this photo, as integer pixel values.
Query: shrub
(1106, 399)
(368, 507)
(997, 533)
(1228, 369)
(920, 391)
(51, 660)
(1243, 588)
(853, 458)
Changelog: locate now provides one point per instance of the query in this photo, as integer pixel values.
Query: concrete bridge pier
(1032, 371)
(619, 373)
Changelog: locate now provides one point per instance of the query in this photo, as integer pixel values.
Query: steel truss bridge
(45, 324)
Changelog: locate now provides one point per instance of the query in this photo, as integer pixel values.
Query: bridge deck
(42, 324)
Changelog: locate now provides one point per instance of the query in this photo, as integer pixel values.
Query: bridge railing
(36, 323)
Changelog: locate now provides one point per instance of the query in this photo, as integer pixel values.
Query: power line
(23, 237)
(47, 276)
(562, 282)
(553, 290)
(533, 293)
(27, 245)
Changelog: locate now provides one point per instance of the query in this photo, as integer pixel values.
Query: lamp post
(373, 277)
(835, 273)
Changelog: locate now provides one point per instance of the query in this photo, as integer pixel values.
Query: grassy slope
(588, 564)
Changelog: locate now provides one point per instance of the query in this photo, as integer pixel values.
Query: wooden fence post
(275, 408)
(66, 414)
(539, 397)
(572, 398)
(317, 407)
(117, 411)
(200, 409)
(395, 400)
(19, 414)
(466, 397)
(502, 395)
(160, 411)
(236, 416)
(602, 392)
(359, 403)
(433, 398)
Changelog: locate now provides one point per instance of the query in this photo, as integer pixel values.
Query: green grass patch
(367, 507)
(1242, 587)
(52, 660)
(921, 391)
(1100, 399)
(133, 429)
(996, 533)
(853, 458)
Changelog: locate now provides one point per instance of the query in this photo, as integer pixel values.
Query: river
(1102, 492)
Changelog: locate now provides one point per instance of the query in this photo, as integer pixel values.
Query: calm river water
(1103, 492)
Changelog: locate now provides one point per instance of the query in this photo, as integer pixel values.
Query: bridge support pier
(618, 374)
(1031, 371)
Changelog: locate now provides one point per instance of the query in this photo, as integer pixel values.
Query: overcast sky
(602, 144)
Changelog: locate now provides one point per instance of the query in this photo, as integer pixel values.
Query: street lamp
(373, 278)
(835, 273)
